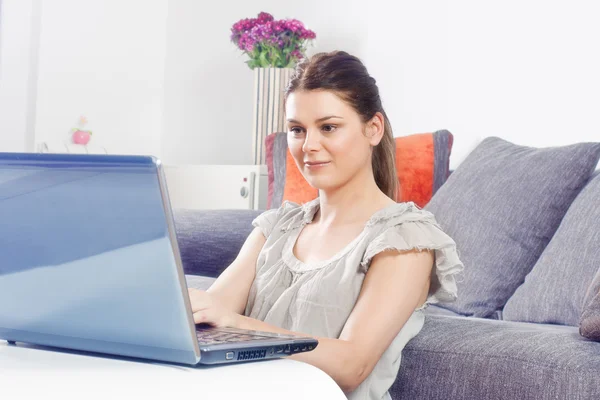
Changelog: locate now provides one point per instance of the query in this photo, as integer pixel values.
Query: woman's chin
(319, 183)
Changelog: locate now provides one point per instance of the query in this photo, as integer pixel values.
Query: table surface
(27, 371)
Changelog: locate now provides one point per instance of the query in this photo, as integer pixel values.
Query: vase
(269, 86)
(81, 137)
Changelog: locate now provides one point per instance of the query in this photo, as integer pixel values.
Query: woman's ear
(376, 129)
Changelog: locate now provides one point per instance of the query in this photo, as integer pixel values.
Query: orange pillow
(296, 188)
(414, 167)
(422, 166)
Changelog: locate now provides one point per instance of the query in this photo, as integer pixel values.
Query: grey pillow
(589, 324)
(553, 291)
(501, 206)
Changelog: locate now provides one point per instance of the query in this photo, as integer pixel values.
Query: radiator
(210, 187)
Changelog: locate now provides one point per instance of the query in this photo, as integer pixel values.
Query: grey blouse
(317, 298)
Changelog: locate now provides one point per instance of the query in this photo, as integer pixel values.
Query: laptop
(89, 261)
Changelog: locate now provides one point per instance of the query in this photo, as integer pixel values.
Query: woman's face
(327, 138)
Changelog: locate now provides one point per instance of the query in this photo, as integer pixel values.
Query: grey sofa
(454, 357)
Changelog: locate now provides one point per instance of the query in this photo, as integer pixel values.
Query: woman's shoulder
(399, 213)
(288, 216)
(405, 227)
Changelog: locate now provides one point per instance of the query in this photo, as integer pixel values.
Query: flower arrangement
(271, 43)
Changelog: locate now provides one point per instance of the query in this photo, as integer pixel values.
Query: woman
(352, 268)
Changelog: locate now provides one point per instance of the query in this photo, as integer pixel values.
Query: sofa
(517, 337)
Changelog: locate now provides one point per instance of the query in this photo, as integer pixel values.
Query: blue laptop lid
(87, 260)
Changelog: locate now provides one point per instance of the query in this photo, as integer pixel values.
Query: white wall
(19, 41)
(527, 71)
(105, 60)
(523, 70)
(161, 76)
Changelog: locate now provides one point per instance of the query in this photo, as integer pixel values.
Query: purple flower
(244, 25)
(278, 26)
(264, 17)
(268, 42)
(246, 42)
(294, 25)
(307, 34)
(262, 31)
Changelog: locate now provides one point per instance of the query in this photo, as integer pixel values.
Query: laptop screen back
(86, 260)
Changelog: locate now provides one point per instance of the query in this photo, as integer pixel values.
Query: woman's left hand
(207, 311)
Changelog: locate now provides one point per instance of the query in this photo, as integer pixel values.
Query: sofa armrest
(209, 240)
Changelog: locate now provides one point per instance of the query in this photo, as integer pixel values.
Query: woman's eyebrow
(318, 120)
(328, 117)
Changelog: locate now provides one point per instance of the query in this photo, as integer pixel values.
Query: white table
(37, 372)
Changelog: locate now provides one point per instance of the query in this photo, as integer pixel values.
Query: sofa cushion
(589, 324)
(472, 358)
(295, 187)
(209, 240)
(275, 159)
(285, 181)
(199, 282)
(422, 167)
(433, 309)
(502, 205)
(553, 291)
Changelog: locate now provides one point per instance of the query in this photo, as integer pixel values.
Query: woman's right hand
(208, 311)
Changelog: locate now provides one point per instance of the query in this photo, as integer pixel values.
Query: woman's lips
(316, 164)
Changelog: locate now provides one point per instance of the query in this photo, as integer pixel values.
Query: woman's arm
(231, 288)
(395, 285)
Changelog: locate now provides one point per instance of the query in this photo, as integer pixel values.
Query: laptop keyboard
(229, 335)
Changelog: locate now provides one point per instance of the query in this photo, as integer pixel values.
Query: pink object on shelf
(81, 137)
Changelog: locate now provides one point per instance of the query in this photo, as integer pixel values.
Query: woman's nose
(312, 141)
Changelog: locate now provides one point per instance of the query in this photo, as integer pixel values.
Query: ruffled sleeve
(423, 235)
(288, 216)
(266, 221)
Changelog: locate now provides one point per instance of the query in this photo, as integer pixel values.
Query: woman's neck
(354, 202)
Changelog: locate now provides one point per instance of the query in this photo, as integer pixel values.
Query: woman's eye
(328, 128)
(296, 130)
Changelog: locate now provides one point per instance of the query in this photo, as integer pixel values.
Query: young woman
(352, 268)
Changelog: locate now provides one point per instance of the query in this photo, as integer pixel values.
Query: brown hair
(347, 76)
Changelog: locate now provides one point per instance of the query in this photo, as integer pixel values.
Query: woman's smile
(316, 165)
